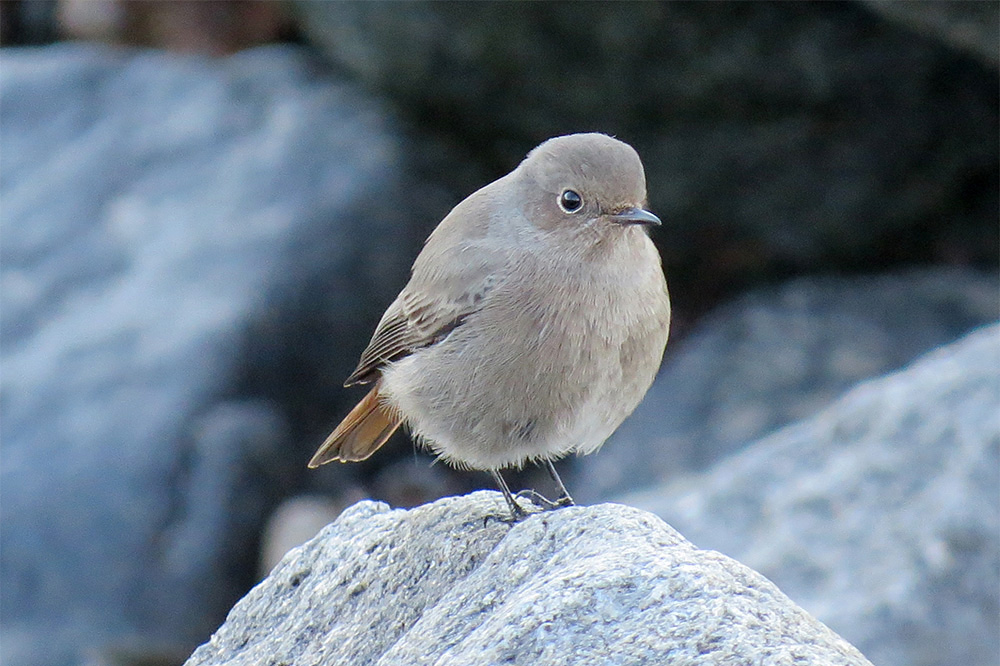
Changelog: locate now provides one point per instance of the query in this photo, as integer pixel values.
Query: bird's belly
(537, 393)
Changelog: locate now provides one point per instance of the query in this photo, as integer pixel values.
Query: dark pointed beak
(636, 216)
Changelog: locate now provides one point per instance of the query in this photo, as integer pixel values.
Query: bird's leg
(516, 512)
(564, 499)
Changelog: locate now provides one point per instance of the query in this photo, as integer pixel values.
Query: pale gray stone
(880, 514)
(449, 583)
(159, 213)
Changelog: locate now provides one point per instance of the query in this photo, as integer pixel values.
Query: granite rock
(159, 214)
(451, 583)
(879, 515)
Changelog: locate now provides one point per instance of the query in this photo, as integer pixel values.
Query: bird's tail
(361, 433)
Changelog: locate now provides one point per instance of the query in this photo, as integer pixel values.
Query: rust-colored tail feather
(361, 433)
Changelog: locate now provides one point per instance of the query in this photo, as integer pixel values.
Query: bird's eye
(570, 201)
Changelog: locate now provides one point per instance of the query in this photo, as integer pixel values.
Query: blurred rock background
(205, 207)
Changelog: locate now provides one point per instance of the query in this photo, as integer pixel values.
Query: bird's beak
(635, 216)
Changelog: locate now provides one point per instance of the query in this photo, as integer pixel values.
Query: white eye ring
(570, 201)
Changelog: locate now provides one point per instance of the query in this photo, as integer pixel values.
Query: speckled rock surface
(447, 583)
(880, 514)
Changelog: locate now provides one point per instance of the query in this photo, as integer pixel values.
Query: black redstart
(533, 323)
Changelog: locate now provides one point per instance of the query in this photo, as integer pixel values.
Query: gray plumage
(528, 330)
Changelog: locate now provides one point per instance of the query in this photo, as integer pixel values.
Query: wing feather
(413, 322)
(451, 278)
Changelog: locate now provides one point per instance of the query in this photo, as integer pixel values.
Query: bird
(533, 323)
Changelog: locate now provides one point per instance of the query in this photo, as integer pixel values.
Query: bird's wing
(451, 279)
(417, 319)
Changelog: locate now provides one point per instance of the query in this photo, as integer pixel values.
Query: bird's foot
(516, 515)
(544, 502)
